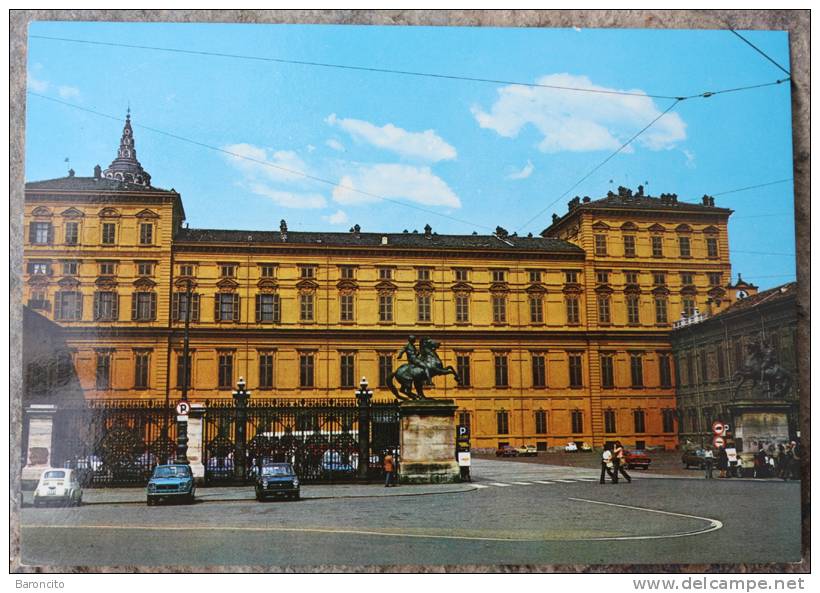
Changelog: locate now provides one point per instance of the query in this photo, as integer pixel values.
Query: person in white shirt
(606, 466)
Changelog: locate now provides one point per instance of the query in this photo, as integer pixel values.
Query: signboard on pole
(717, 427)
(464, 459)
(183, 408)
(462, 439)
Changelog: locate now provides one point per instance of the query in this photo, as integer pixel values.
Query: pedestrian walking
(791, 465)
(619, 459)
(708, 463)
(389, 465)
(780, 460)
(760, 463)
(607, 466)
(723, 462)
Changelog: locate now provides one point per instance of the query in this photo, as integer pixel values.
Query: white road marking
(542, 482)
(480, 486)
(587, 479)
(523, 483)
(566, 481)
(499, 484)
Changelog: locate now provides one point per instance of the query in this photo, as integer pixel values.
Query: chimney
(71, 172)
(428, 230)
(357, 230)
(97, 172)
(283, 230)
(705, 200)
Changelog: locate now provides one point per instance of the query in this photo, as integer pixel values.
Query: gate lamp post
(240, 398)
(182, 425)
(363, 395)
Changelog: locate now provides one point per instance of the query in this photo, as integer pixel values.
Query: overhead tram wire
(760, 51)
(265, 163)
(705, 94)
(748, 187)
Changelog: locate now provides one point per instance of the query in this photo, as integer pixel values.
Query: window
(307, 271)
(463, 369)
(106, 306)
(711, 247)
(539, 370)
(186, 269)
(540, 422)
(145, 269)
(636, 369)
(386, 308)
(423, 274)
(572, 310)
(347, 272)
(40, 268)
(424, 307)
(639, 416)
(577, 421)
(600, 245)
(462, 308)
(630, 277)
(108, 268)
(659, 278)
(501, 371)
(535, 275)
(571, 276)
(306, 307)
(184, 370)
(179, 306)
(704, 368)
(629, 245)
(607, 371)
(690, 368)
(668, 418)
(499, 275)
(267, 271)
(633, 315)
(610, 425)
(346, 309)
(68, 306)
(225, 370)
(575, 375)
(146, 233)
(685, 246)
(265, 370)
(143, 306)
(385, 273)
(461, 274)
(604, 315)
(38, 299)
(267, 308)
(661, 310)
(737, 353)
(306, 369)
(536, 309)
(385, 368)
(602, 276)
(103, 370)
(40, 233)
(499, 308)
(71, 268)
(720, 356)
(226, 306)
(348, 374)
(657, 246)
(464, 419)
(72, 233)
(687, 278)
(109, 233)
(227, 270)
(503, 422)
(715, 278)
(665, 369)
(688, 306)
(141, 367)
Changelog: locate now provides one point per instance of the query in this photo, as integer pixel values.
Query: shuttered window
(106, 306)
(68, 306)
(265, 370)
(226, 306)
(225, 370)
(179, 302)
(144, 306)
(142, 361)
(539, 370)
(41, 233)
(267, 308)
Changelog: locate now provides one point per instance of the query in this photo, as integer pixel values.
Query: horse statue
(761, 367)
(421, 368)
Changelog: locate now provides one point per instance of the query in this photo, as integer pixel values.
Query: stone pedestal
(428, 442)
(196, 443)
(40, 427)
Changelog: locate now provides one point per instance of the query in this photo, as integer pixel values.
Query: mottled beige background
(795, 22)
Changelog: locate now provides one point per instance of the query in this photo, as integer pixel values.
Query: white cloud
(426, 145)
(289, 199)
(577, 121)
(690, 158)
(415, 184)
(258, 162)
(37, 85)
(338, 217)
(335, 144)
(523, 173)
(68, 92)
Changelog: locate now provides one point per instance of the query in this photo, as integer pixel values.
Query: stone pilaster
(39, 447)
(428, 442)
(196, 441)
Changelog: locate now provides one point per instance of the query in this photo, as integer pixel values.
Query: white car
(571, 447)
(58, 485)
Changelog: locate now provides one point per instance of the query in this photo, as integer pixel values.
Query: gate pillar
(428, 442)
(363, 396)
(195, 442)
(39, 427)
(240, 398)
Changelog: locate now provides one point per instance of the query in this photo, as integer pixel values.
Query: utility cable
(760, 51)
(748, 187)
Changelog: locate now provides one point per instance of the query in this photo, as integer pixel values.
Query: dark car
(506, 451)
(171, 482)
(637, 459)
(694, 458)
(276, 479)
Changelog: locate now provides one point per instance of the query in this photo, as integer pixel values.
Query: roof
(73, 183)
(353, 239)
(767, 297)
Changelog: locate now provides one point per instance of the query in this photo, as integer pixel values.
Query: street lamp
(363, 395)
(240, 398)
(182, 420)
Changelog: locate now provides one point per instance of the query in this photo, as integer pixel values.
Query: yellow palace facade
(556, 338)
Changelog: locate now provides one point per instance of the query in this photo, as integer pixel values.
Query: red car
(637, 459)
(506, 451)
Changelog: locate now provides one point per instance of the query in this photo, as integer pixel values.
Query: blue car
(171, 482)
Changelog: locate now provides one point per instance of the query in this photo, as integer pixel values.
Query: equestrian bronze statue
(422, 365)
(761, 367)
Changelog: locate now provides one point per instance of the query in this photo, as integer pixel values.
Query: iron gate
(320, 437)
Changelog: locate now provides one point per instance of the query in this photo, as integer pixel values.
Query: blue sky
(459, 155)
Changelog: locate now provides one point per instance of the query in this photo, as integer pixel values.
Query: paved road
(549, 516)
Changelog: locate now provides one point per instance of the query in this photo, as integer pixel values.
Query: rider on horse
(413, 356)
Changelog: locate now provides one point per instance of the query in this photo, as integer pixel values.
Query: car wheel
(296, 496)
(259, 497)
(149, 502)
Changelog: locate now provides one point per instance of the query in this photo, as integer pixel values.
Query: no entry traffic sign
(718, 442)
(717, 427)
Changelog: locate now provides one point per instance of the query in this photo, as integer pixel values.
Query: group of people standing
(782, 462)
(613, 462)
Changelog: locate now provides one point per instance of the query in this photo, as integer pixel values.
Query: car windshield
(54, 475)
(172, 471)
(276, 470)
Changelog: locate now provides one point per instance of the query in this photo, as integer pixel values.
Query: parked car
(637, 459)
(527, 451)
(695, 458)
(277, 479)
(571, 447)
(334, 464)
(58, 486)
(506, 451)
(586, 447)
(173, 481)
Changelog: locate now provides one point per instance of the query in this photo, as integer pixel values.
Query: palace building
(559, 337)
